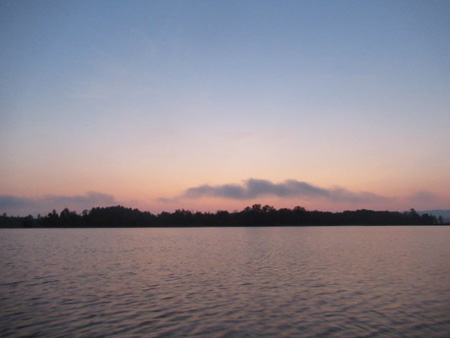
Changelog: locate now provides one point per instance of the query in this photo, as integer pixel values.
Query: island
(256, 215)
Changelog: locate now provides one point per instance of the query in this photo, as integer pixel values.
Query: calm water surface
(226, 282)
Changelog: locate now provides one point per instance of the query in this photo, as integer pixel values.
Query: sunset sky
(207, 105)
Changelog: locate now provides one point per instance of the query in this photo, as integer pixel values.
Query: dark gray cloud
(14, 205)
(255, 188)
(9, 201)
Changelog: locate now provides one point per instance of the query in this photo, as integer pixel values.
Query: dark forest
(256, 215)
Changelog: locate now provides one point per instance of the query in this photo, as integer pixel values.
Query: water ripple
(238, 282)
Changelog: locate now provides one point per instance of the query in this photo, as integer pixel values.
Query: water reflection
(326, 281)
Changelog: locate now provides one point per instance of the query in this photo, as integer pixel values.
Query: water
(226, 282)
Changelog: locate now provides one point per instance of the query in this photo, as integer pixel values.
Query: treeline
(257, 215)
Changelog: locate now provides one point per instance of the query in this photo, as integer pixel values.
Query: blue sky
(141, 101)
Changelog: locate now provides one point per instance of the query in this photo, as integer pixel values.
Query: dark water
(232, 282)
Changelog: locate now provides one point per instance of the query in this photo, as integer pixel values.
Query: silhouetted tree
(256, 215)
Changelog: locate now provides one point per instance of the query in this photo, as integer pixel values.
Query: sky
(217, 105)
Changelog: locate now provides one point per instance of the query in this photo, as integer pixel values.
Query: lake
(226, 282)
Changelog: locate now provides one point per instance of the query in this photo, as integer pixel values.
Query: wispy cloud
(22, 205)
(423, 197)
(256, 188)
